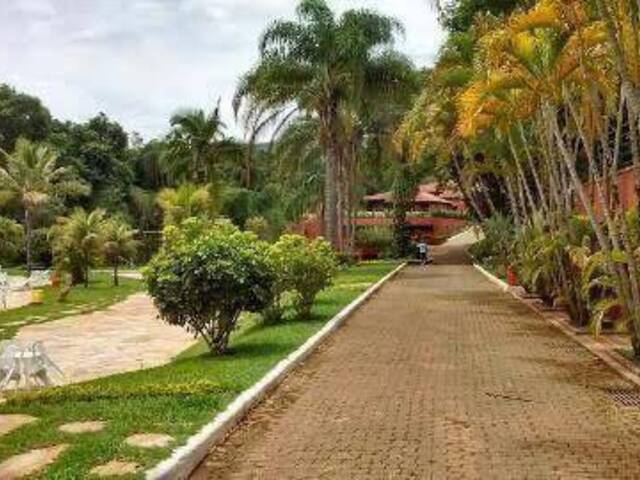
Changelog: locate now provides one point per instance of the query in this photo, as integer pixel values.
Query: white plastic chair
(42, 365)
(39, 278)
(26, 365)
(4, 289)
(9, 368)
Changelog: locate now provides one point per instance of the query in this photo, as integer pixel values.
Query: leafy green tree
(77, 242)
(320, 64)
(459, 15)
(32, 176)
(205, 282)
(119, 244)
(404, 194)
(21, 115)
(149, 165)
(98, 150)
(11, 238)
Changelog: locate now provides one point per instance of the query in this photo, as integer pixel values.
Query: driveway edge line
(612, 359)
(185, 459)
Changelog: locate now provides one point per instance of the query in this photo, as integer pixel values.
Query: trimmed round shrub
(204, 282)
(304, 268)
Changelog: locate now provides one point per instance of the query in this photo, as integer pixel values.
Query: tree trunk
(534, 171)
(626, 291)
(522, 175)
(468, 193)
(27, 227)
(86, 271)
(116, 281)
(331, 182)
(631, 92)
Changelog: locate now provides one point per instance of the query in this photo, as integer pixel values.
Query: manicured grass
(100, 295)
(176, 399)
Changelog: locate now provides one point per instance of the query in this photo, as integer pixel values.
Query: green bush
(258, 225)
(304, 268)
(379, 237)
(204, 282)
(11, 239)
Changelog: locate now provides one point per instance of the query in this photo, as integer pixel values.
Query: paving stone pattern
(124, 337)
(441, 376)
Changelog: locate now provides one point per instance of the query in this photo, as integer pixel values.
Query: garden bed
(176, 399)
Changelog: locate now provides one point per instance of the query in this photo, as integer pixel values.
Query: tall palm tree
(32, 176)
(194, 144)
(317, 64)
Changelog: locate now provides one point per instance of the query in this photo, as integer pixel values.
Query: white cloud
(140, 60)
(43, 8)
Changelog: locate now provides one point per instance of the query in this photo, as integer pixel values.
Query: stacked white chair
(4, 288)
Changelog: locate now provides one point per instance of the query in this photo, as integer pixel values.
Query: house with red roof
(438, 211)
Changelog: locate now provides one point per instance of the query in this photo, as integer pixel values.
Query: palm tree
(119, 244)
(321, 65)
(32, 176)
(77, 243)
(549, 66)
(194, 144)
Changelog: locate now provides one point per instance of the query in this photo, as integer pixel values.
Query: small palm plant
(77, 243)
(119, 244)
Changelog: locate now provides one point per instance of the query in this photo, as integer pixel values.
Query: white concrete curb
(492, 278)
(186, 458)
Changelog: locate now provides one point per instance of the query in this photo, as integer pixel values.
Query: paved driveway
(441, 376)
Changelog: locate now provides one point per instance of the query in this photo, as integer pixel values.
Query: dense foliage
(404, 193)
(534, 114)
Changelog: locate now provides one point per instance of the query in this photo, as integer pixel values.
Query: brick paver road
(440, 376)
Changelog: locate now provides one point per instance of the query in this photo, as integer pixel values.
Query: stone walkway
(125, 337)
(441, 376)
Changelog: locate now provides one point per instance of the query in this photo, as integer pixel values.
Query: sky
(139, 61)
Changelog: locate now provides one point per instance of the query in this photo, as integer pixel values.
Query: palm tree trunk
(536, 176)
(522, 174)
(116, 281)
(627, 290)
(514, 204)
(630, 91)
(462, 183)
(27, 227)
(331, 200)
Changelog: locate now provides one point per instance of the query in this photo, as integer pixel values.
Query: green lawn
(176, 399)
(100, 295)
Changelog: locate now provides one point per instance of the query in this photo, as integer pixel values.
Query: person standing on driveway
(423, 252)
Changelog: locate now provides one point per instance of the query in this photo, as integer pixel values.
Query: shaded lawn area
(176, 399)
(100, 295)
